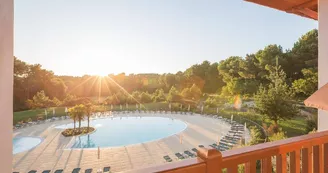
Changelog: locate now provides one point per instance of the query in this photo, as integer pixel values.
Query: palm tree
(73, 114)
(77, 113)
(88, 111)
(80, 109)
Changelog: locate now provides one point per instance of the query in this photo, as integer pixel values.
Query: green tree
(73, 115)
(173, 95)
(158, 95)
(145, 97)
(77, 114)
(40, 100)
(307, 85)
(275, 101)
(205, 76)
(195, 92)
(303, 55)
(169, 80)
(88, 112)
(268, 56)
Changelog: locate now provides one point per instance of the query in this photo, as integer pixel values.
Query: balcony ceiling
(305, 8)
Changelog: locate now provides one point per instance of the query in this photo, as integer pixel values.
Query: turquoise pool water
(122, 131)
(21, 144)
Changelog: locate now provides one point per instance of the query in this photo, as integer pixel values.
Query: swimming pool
(122, 131)
(21, 144)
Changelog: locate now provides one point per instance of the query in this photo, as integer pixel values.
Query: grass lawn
(33, 114)
(294, 127)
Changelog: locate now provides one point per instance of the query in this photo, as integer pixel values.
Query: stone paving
(53, 152)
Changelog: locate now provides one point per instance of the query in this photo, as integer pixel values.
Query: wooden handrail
(308, 153)
(260, 151)
(307, 150)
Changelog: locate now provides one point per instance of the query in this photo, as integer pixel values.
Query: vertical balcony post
(323, 57)
(6, 83)
(212, 158)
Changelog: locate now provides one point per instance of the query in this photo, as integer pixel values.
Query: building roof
(318, 99)
(305, 8)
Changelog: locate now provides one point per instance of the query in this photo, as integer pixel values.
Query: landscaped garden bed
(82, 131)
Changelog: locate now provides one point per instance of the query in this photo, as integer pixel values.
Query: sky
(100, 37)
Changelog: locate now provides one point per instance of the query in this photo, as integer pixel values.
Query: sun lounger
(236, 132)
(32, 171)
(59, 171)
(225, 144)
(221, 148)
(238, 128)
(213, 146)
(167, 158)
(179, 156)
(233, 138)
(194, 150)
(106, 169)
(201, 146)
(229, 141)
(190, 154)
(46, 171)
(76, 170)
(88, 171)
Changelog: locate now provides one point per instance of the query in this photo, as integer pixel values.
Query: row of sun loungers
(181, 156)
(75, 170)
(141, 111)
(27, 124)
(231, 139)
(96, 115)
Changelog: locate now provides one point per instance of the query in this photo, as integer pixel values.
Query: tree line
(35, 87)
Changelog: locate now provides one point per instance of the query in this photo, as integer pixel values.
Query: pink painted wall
(6, 83)
(323, 58)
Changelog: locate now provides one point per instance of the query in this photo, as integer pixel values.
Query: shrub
(277, 136)
(256, 136)
(311, 123)
(76, 132)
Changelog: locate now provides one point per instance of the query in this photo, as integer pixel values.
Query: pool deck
(53, 153)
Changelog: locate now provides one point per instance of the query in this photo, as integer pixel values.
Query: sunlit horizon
(112, 37)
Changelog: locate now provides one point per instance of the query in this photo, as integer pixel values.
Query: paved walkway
(53, 153)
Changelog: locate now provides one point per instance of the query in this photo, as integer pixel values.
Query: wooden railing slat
(295, 162)
(281, 163)
(266, 165)
(307, 160)
(325, 158)
(250, 166)
(318, 158)
(233, 169)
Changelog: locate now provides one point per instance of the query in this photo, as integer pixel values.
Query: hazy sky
(77, 37)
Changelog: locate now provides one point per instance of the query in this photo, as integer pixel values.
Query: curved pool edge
(37, 137)
(71, 143)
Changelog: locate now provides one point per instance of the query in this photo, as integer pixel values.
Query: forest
(205, 83)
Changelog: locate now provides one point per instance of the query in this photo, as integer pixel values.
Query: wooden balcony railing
(305, 154)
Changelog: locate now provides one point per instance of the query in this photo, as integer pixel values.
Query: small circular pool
(122, 131)
(21, 144)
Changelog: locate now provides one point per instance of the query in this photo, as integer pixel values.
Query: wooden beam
(308, 12)
(307, 4)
